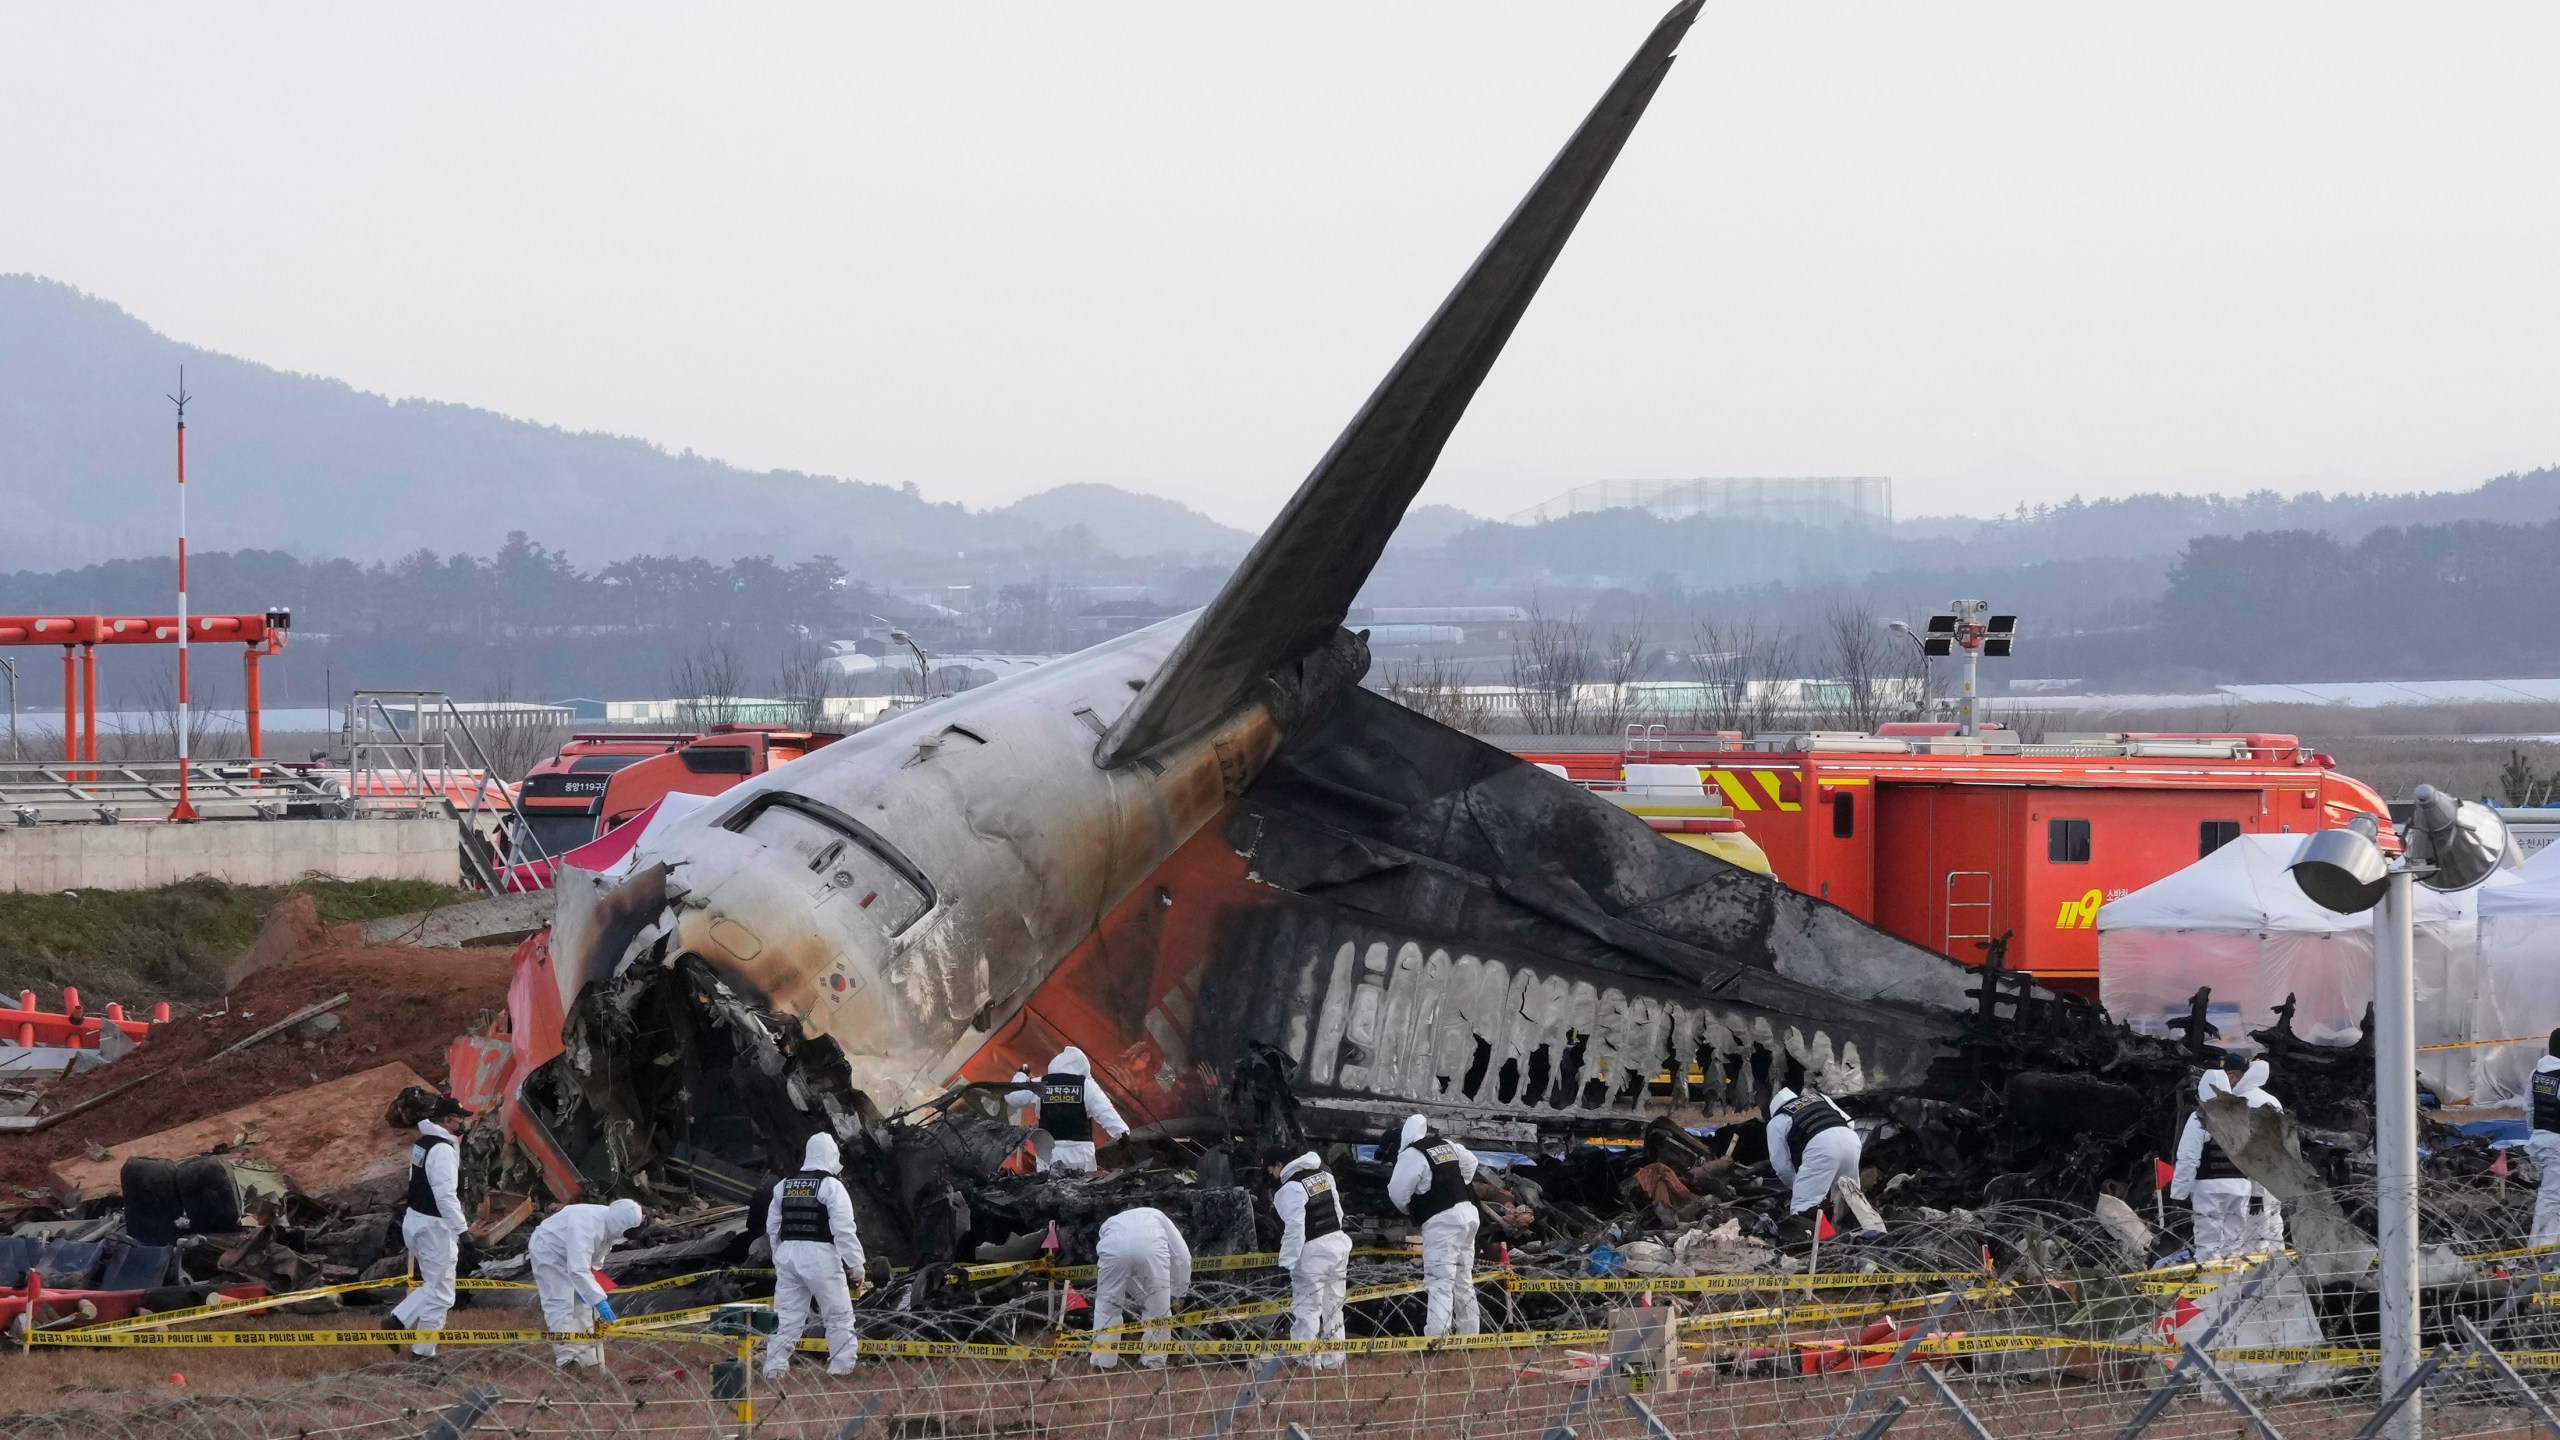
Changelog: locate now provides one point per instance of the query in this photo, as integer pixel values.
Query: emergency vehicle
(599, 781)
(1953, 841)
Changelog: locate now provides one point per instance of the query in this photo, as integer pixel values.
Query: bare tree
(1627, 659)
(1861, 666)
(1738, 666)
(515, 739)
(153, 733)
(805, 679)
(1436, 686)
(706, 685)
(1550, 662)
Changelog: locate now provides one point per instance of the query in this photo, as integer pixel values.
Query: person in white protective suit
(432, 1225)
(2232, 1213)
(1812, 1146)
(565, 1251)
(1314, 1249)
(815, 1249)
(1072, 1106)
(1430, 1183)
(2542, 1142)
(1141, 1265)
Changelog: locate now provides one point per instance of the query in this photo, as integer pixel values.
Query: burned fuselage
(1204, 837)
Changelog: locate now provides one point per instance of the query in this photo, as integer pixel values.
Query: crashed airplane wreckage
(1259, 896)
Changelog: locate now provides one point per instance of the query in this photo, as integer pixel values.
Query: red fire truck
(599, 781)
(1951, 841)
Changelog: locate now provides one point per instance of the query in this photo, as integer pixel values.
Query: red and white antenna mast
(184, 810)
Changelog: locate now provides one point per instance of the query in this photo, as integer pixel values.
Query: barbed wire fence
(1910, 1334)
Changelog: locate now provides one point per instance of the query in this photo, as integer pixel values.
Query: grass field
(166, 944)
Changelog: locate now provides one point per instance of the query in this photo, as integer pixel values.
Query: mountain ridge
(85, 457)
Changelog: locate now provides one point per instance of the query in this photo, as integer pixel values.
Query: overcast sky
(1996, 251)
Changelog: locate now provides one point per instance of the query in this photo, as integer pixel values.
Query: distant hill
(2158, 524)
(1124, 522)
(316, 466)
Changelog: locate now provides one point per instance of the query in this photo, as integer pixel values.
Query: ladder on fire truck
(412, 755)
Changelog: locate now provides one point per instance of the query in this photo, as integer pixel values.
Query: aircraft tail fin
(1301, 576)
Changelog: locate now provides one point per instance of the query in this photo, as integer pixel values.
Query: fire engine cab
(1953, 841)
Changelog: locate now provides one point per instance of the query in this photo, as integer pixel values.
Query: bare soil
(407, 1005)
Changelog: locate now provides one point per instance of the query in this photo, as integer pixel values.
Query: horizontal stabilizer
(1293, 590)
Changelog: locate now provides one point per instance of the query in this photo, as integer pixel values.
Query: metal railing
(411, 753)
(39, 792)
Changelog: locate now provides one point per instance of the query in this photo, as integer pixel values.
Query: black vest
(422, 1196)
(1062, 1111)
(1324, 1204)
(2546, 1100)
(2212, 1163)
(804, 1214)
(1809, 1115)
(1448, 1188)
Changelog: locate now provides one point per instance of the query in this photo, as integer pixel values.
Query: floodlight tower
(1969, 626)
(2451, 845)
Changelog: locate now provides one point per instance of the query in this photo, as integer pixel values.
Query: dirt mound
(290, 931)
(405, 1004)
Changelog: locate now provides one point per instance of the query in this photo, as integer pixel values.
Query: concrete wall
(244, 852)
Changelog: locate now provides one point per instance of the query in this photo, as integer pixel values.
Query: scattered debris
(306, 1013)
(329, 1139)
(489, 920)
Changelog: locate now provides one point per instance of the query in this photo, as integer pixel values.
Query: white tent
(2519, 976)
(2235, 921)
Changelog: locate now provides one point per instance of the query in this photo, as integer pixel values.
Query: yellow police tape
(1200, 1265)
(1259, 1309)
(683, 1325)
(1726, 1284)
(1943, 1347)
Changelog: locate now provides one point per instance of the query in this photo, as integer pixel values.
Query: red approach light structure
(80, 635)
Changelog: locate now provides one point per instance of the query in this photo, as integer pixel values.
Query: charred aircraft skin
(905, 889)
(1419, 920)
(1392, 903)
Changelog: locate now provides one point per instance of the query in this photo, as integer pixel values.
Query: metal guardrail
(38, 792)
(411, 752)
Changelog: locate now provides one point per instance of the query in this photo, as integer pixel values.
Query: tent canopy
(2245, 886)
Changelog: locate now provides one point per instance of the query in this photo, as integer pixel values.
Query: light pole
(1920, 643)
(924, 664)
(12, 667)
(2451, 845)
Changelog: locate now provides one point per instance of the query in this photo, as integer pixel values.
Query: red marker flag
(2162, 1172)
(1822, 1229)
(1075, 1302)
(2498, 1167)
(1050, 1244)
(2185, 1311)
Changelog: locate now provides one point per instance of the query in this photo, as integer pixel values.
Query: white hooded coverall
(1075, 1157)
(1141, 1265)
(810, 1273)
(1828, 1155)
(2233, 1214)
(1448, 1238)
(2544, 1146)
(434, 1241)
(565, 1251)
(1319, 1269)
